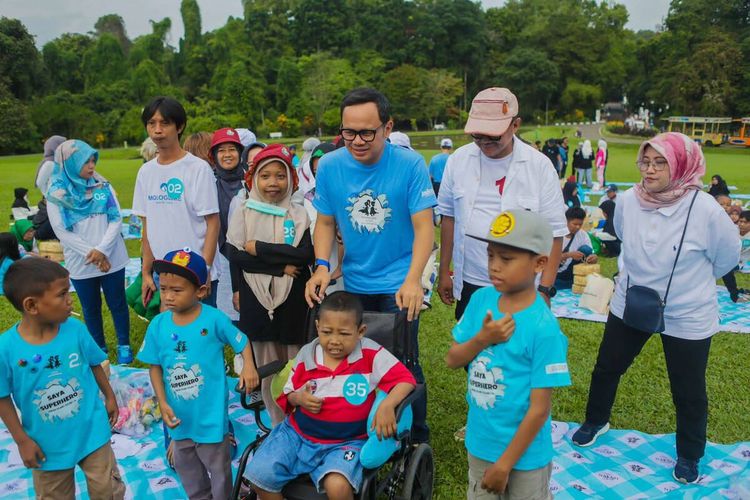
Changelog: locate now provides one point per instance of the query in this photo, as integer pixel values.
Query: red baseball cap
(270, 154)
(224, 135)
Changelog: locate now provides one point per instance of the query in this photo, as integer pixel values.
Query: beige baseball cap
(520, 229)
(492, 110)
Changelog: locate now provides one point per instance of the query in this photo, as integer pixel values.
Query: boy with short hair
(328, 398)
(50, 365)
(185, 348)
(577, 248)
(516, 354)
(175, 195)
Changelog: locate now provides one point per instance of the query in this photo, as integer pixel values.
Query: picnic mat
(142, 461)
(622, 464)
(732, 317)
(131, 225)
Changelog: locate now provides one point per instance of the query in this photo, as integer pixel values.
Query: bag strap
(567, 247)
(679, 249)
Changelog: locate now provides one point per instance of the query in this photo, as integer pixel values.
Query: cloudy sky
(47, 19)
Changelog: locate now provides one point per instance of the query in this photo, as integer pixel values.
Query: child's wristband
(323, 262)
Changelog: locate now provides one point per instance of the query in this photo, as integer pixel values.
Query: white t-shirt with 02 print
(175, 199)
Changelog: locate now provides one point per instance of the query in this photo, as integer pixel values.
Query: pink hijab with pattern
(686, 169)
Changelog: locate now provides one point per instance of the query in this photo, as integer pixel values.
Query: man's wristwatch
(549, 291)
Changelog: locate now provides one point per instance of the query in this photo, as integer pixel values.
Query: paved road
(593, 132)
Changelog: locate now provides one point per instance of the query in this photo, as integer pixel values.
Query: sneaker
(587, 434)
(124, 354)
(686, 471)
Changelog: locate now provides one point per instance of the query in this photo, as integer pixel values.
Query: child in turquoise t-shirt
(50, 366)
(516, 354)
(185, 348)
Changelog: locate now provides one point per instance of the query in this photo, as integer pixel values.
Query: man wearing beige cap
(494, 173)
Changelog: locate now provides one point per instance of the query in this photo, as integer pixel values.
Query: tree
(326, 80)
(103, 62)
(523, 67)
(581, 96)
(63, 60)
(20, 65)
(115, 26)
(441, 92)
(17, 133)
(405, 86)
(191, 21)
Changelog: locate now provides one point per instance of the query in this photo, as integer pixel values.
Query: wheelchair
(408, 474)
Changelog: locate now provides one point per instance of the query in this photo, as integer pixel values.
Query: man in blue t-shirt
(437, 164)
(379, 196)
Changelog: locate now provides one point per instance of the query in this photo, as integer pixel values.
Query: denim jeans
(584, 176)
(89, 293)
(387, 303)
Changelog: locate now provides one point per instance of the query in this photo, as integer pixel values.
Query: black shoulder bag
(644, 308)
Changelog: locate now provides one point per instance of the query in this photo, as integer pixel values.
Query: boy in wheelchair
(327, 399)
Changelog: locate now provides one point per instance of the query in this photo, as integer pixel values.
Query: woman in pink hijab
(676, 241)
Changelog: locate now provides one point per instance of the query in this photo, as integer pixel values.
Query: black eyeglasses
(486, 138)
(367, 135)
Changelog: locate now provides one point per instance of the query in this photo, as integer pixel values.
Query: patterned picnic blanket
(622, 464)
(732, 317)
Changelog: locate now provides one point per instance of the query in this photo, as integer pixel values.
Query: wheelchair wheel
(420, 473)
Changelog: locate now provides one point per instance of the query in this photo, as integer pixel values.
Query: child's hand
(496, 332)
(576, 255)
(306, 400)
(592, 259)
(495, 479)
(291, 270)
(169, 417)
(384, 421)
(110, 403)
(31, 454)
(236, 301)
(250, 247)
(249, 379)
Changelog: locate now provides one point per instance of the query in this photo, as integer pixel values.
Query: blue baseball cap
(185, 263)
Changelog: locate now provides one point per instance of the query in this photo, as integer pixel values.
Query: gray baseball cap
(520, 229)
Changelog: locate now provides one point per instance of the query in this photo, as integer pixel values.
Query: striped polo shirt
(348, 392)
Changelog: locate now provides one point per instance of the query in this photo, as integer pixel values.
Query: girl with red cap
(270, 250)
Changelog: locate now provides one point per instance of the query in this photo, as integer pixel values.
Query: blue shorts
(285, 454)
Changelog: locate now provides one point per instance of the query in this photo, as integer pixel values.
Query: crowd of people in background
(242, 238)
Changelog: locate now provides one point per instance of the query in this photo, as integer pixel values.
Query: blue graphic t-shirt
(373, 206)
(53, 386)
(502, 376)
(437, 166)
(192, 359)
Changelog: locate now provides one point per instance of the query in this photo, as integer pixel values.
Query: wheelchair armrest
(265, 371)
(413, 395)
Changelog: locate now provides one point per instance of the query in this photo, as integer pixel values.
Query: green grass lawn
(643, 402)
